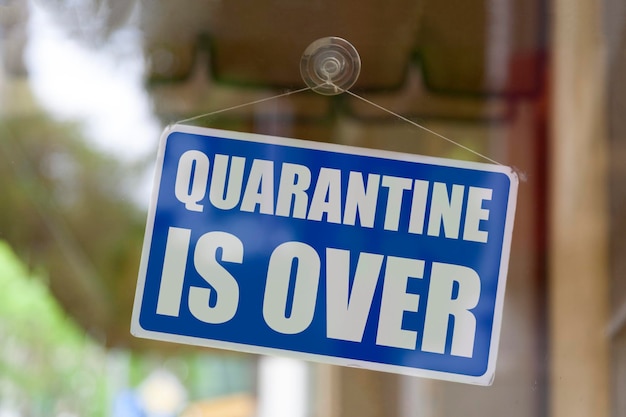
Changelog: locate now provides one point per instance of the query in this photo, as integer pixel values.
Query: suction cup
(330, 65)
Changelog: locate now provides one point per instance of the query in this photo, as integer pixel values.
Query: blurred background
(86, 87)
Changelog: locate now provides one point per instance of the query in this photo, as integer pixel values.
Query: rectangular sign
(349, 256)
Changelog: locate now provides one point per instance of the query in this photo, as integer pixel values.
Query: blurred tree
(66, 208)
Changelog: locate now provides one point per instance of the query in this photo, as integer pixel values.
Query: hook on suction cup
(330, 65)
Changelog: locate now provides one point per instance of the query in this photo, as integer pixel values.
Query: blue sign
(349, 256)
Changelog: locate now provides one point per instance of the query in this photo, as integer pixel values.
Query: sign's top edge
(341, 148)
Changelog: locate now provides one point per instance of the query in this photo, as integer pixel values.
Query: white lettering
(475, 213)
(221, 196)
(327, 196)
(191, 179)
(395, 301)
(445, 209)
(396, 186)
(418, 207)
(306, 262)
(173, 274)
(433, 210)
(442, 304)
(222, 282)
(260, 188)
(294, 181)
(347, 311)
(360, 199)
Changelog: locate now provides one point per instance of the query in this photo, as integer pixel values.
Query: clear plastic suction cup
(330, 65)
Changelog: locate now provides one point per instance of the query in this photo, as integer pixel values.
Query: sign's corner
(136, 329)
(486, 379)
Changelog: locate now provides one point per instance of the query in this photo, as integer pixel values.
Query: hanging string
(415, 124)
(239, 106)
(371, 103)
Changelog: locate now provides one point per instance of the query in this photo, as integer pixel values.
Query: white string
(251, 103)
(411, 122)
(371, 103)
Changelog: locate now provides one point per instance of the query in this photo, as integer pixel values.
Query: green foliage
(46, 360)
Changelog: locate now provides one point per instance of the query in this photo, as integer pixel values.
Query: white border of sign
(485, 379)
